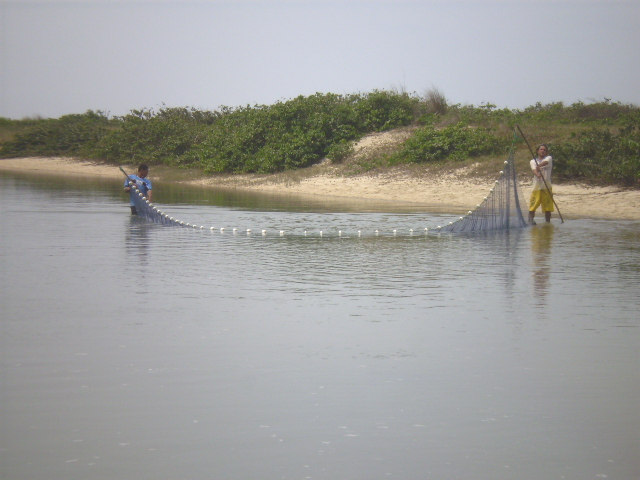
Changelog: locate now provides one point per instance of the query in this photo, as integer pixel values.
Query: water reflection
(541, 241)
(137, 241)
(177, 194)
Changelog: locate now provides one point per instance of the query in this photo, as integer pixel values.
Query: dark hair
(542, 145)
(143, 167)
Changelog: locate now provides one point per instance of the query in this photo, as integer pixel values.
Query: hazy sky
(70, 56)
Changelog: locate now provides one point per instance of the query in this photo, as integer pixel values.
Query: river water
(136, 351)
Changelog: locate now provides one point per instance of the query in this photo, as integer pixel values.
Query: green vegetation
(453, 142)
(601, 156)
(595, 143)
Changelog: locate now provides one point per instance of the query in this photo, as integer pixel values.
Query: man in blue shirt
(143, 184)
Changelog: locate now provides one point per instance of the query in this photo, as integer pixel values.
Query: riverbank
(453, 191)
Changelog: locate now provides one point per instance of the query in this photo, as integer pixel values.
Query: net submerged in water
(149, 211)
(500, 209)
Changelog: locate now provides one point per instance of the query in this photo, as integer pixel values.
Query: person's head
(143, 170)
(542, 150)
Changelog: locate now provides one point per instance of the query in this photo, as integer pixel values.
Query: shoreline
(450, 192)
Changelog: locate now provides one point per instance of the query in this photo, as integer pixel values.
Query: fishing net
(149, 211)
(499, 210)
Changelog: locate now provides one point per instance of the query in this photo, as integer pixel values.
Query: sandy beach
(453, 191)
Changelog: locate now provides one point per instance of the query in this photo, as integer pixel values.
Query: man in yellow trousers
(542, 194)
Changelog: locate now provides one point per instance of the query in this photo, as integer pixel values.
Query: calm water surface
(136, 351)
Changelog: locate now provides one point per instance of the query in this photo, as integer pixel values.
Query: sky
(61, 57)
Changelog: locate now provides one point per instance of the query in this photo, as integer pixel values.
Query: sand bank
(445, 192)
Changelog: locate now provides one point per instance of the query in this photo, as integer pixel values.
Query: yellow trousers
(541, 197)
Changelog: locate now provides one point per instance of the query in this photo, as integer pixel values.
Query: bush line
(593, 143)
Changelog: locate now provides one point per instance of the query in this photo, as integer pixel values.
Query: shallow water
(132, 350)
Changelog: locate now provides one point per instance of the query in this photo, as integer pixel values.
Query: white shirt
(538, 184)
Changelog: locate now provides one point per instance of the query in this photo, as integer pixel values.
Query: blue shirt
(143, 184)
